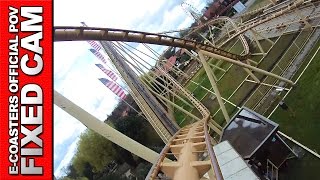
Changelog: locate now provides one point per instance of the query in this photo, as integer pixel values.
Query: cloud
(80, 84)
(67, 158)
(62, 120)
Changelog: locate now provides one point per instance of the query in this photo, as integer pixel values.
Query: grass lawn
(305, 102)
(235, 75)
(275, 54)
(304, 126)
(303, 99)
(257, 4)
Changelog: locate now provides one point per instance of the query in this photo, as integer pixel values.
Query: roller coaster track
(227, 19)
(155, 113)
(190, 142)
(107, 34)
(240, 30)
(291, 6)
(64, 33)
(255, 11)
(188, 145)
(268, 11)
(196, 136)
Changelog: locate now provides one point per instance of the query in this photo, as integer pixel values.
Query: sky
(75, 74)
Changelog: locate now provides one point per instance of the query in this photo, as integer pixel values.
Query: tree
(71, 172)
(124, 156)
(94, 152)
(112, 176)
(121, 107)
(142, 170)
(133, 126)
(87, 172)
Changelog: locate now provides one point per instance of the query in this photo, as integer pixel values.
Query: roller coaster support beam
(175, 105)
(304, 19)
(105, 130)
(214, 86)
(251, 74)
(265, 84)
(259, 34)
(149, 105)
(264, 72)
(273, 1)
(214, 66)
(224, 99)
(206, 40)
(109, 34)
(249, 61)
(258, 43)
(245, 69)
(156, 82)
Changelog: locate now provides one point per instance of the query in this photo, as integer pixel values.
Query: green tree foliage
(142, 170)
(122, 106)
(113, 176)
(132, 126)
(77, 178)
(124, 156)
(94, 153)
(137, 128)
(71, 172)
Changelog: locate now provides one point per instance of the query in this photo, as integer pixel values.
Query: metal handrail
(213, 159)
(156, 166)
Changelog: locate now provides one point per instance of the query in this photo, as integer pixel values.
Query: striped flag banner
(107, 72)
(113, 87)
(98, 55)
(93, 44)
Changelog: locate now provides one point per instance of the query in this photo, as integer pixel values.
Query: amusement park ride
(244, 146)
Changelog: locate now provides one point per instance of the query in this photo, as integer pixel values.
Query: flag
(113, 87)
(98, 55)
(93, 44)
(107, 72)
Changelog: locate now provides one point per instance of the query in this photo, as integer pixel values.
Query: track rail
(196, 136)
(70, 33)
(291, 6)
(188, 146)
(241, 29)
(255, 11)
(235, 28)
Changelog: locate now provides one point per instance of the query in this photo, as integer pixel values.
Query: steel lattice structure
(187, 143)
